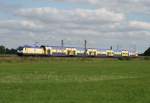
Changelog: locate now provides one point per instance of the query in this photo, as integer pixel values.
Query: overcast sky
(103, 23)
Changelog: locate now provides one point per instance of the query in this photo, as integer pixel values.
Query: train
(59, 51)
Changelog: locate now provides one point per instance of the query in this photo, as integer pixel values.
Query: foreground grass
(77, 81)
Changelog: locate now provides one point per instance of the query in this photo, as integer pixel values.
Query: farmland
(45, 80)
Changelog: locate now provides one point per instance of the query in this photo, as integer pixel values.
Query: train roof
(117, 50)
(103, 49)
(31, 46)
(59, 47)
(78, 48)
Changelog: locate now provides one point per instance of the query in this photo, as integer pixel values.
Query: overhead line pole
(85, 47)
(62, 43)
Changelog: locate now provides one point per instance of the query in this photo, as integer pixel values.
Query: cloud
(20, 25)
(73, 1)
(138, 25)
(8, 8)
(75, 15)
(75, 19)
(102, 27)
(126, 6)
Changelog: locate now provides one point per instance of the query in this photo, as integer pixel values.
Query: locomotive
(60, 51)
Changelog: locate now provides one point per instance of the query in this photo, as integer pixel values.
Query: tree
(147, 52)
(2, 49)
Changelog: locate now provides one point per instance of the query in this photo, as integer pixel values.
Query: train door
(94, 53)
(49, 52)
(71, 52)
(108, 53)
(90, 53)
(74, 52)
(68, 52)
(44, 49)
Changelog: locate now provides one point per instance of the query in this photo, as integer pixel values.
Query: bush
(124, 58)
(147, 58)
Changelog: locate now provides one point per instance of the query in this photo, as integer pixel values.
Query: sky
(103, 23)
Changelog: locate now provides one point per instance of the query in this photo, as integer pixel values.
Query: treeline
(4, 50)
(147, 52)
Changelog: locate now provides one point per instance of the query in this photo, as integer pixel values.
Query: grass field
(77, 81)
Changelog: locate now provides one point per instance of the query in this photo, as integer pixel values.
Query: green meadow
(74, 81)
